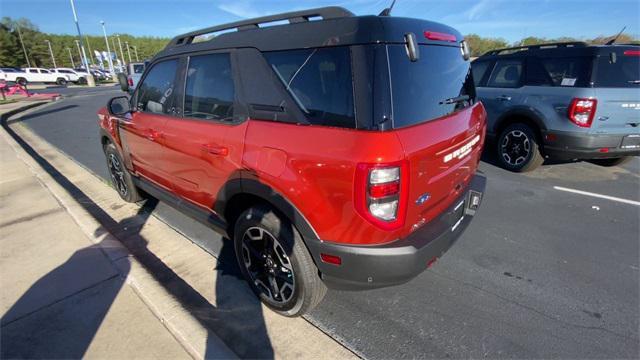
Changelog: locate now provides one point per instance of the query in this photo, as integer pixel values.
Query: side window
(155, 92)
(320, 82)
(536, 75)
(506, 74)
(479, 69)
(33, 71)
(44, 71)
(209, 92)
(567, 71)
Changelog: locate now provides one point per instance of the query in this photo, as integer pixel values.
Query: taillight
(582, 111)
(130, 81)
(632, 53)
(381, 193)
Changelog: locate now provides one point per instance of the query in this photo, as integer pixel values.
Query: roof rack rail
(329, 12)
(536, 47)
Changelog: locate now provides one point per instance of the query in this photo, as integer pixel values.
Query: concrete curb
(185, 329)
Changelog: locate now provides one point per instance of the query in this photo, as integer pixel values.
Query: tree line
(64, 47)
(66, 51)
(480, 45)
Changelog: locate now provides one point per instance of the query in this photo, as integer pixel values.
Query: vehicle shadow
(237, 315)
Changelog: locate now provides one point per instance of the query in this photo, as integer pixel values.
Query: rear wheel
(120, 177)
(61, 81)
(518, 148)
(612, 161)
(276, 263)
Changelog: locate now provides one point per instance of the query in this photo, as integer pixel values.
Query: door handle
(504, 98)
(215, 149)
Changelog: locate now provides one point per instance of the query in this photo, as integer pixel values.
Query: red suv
(335, 150)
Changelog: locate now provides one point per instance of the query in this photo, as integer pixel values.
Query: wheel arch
(241, 193)
(526, 115)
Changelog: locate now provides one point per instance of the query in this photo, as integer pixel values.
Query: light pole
(73, 65)
(90, 57)
(135, 50)
(90, 80)
(126, 43)
(53, 59)
(79, 52)
(22, 43)
(120, 45)
(104, 31)
(115, 51)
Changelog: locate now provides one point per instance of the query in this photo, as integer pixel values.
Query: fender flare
(521, 111)
(254, 187)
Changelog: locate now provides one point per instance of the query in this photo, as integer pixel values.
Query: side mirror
(124, 82)
(119, 106)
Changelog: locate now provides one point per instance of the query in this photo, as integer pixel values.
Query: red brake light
(331, 259)
(381, 193)
(582, 111)
(382, 190)
(433, 35)
(130, 81)
(632, 53)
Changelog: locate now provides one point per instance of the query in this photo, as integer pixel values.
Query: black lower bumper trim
(569, 146)
(366, 267)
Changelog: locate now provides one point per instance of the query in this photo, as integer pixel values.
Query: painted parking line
(600, 196)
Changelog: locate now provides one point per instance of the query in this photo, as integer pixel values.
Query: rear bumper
(568, 146)
(367, 267)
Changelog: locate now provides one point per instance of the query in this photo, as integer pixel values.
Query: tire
(82, 81)
(612, 161)
(518, 148)
(264, 242)
(21, 81)
(121, 179)
(61, 81)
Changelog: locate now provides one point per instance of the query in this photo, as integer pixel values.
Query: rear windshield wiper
(456, 99)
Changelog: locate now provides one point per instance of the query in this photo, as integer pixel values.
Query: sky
(508, 19)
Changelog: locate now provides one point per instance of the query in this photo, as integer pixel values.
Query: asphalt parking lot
(542, 272)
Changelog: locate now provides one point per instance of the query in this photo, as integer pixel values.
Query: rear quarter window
(320, 82)
(419, 89)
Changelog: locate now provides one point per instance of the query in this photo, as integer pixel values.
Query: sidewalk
(62, 297)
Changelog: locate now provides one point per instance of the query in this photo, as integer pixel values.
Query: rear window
(320, 82)
(138, 68)
(619, 70)
(420, 89)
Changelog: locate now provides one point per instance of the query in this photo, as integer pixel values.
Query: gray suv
(562, 101)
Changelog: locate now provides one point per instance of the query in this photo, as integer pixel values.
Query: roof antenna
(387, 11)
(612, 41)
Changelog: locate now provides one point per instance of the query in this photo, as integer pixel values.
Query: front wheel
(120, 177)
(276, 263)
(61, 81)
(21, 81)
(518, 148)
(612, 161)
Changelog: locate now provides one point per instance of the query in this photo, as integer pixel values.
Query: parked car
(83, 72)
(561, 101)
(40, 75)
(134, 72)
(13, 74)
(350, 163)
(71, 74)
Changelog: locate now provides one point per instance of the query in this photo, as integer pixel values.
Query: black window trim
(521, 82)
(134, 98)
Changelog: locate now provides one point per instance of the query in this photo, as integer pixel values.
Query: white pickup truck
(32, 75)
